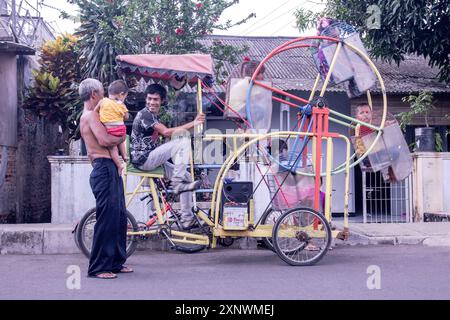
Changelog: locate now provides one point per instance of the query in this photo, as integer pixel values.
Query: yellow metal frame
(213, 223)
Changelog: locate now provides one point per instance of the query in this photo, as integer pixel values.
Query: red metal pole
(280, 91)
(285, 102)
(318, 160)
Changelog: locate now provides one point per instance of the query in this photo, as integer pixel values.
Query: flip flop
(104, 275)
(125, 270)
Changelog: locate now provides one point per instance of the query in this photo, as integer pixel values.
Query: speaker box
(237, 192)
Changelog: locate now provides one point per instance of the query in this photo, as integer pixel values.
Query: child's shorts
(118, 131)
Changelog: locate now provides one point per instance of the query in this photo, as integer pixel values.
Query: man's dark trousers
(108, 252)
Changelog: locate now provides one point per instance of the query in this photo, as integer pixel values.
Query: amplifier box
(235, 208)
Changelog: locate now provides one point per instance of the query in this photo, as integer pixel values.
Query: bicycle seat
(155, 173)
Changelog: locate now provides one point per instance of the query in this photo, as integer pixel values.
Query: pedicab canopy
(168, 67)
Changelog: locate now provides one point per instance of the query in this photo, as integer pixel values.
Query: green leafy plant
(420, 105)
(54, 94)
(439, 143)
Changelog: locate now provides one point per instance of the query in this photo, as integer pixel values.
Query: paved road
(407, 272)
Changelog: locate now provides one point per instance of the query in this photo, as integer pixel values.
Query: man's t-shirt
(143, 136)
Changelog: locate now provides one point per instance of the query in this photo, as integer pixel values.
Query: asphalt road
(405, 272)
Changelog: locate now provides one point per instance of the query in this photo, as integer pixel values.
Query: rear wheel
(85, 233)
(197, 229)
(301, 236)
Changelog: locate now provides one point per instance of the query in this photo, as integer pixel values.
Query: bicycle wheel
(85, 233)
(301, 236)
(270, 217)
(187, 247)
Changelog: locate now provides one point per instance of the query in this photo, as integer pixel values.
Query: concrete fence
(71, 193)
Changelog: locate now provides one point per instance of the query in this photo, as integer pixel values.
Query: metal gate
(386, 202)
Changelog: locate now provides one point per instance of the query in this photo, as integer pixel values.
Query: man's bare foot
(105, 275)
(126, 270)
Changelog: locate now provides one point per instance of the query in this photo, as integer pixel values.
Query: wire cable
(284, 13)
(267, 15)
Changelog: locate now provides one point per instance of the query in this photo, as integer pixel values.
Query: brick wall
(37, 138)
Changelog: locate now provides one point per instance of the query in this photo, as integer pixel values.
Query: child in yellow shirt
(113, 112)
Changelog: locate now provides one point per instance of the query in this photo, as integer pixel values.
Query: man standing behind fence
(108, 253)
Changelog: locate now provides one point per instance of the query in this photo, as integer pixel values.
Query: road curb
(437, 242)
(59, 239)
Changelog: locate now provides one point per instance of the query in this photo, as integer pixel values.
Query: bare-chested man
(108, 253)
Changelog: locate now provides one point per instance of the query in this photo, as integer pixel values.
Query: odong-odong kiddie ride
(277, 196)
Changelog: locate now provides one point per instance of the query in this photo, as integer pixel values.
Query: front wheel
(85, 233)
(301, 236)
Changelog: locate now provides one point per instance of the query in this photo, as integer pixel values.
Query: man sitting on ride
(147, 155)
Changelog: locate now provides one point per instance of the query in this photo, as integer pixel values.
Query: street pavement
(346, 272)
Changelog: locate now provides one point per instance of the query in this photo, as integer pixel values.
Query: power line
(49, 6)
(318, 3)
(293, 8)
(292, 21)
(270, 13)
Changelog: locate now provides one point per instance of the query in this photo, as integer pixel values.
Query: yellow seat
(132, 170)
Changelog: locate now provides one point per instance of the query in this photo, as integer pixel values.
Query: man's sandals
(125, 270)
(105, 275)
(111, 275)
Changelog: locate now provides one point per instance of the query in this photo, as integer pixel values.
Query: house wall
(37, 139)
(8, 135)
(25, 142)
(437, 116)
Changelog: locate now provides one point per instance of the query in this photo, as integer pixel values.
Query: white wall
(430, 185)
(72, 195)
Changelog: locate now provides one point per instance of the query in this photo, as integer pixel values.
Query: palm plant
(98, 33)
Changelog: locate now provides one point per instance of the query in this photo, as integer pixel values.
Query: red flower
(199, 5)
(246, 58)
(179, 31)
(157, 39)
